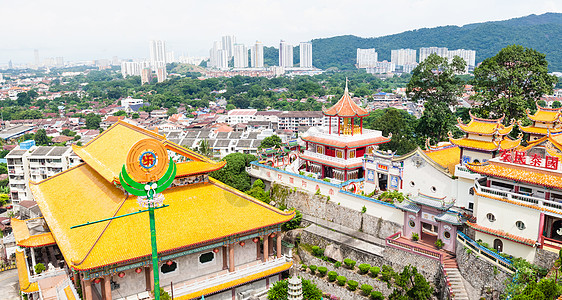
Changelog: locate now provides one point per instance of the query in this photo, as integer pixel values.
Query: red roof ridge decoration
(502, 234)
(345, 107)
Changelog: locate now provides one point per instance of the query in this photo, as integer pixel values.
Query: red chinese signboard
(520, 157)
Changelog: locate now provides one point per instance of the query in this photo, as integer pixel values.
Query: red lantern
(138, 270)
(242, 244)
(97, 280)
(216, 250)
(256, 240)
(272, 235)
(169, 263)
(121, 274)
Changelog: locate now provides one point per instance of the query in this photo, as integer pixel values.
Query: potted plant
(415, 237)
(439, 244)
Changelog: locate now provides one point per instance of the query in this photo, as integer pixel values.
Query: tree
(279, 290)
(270, 142)
(171, 111)
(435, 82)
(234, 172)
(4, 198)
(556, 104)
(41, 138)
(120, 113)
(411, 285)
(204, 149)
(93, 121)
(135, 116)
(398, 123)
(511, 81)
(3, 168)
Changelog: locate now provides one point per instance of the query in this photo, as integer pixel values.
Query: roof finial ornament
(346, 90)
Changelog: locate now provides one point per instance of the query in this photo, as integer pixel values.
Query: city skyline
(79, 34)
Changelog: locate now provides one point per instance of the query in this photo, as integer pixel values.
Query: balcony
(464, 172)
(337, 160)
(242, 274)
(549, 206)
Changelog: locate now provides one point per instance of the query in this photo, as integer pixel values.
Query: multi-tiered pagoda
(336, 152)
(544, 120)
(483, 139)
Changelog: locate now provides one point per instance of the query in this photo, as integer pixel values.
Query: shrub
(364, 268)
(341, 280)
(332, 275)
(366, 289)
(374, 271)
(439, 244)
(322, 270)
(317, 251)
(376, 295)
(39, 268)
(364, 209)
(337, 264)
(415, 236)
(312, 268)
(304, 267)
(293, 223)
(349, 263)
(352, 285)
(386, 273)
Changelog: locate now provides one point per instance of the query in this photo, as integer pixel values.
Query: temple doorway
(498, 245)
(328, 172)
(429, 233)
(383, 180)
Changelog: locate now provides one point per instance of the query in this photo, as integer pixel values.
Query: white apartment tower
(222, 59)
(425, 52)
(306, 55)
(403, 57)
(366, 58)
(228, 42)
(240, 56)
(468, 55)
(285, 55)
(157, 54)
(257, 55)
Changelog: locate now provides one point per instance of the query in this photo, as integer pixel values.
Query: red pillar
(344, 175)
(330, 126)
(547, 196)
(541, 229)
(339, 125)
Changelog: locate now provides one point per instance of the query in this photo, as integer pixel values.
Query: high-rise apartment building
(157, 54)
(214, 53)
(305, 55)
(366, 58)
(228, 42)
(257, 55)
(469, 56)
(401, 57)
(133, 68)
(285, 55)
(146, 75)
(425, 52)
(382, 67)
(161, 74)
(240, 56)
(170, 57)
(222, 59)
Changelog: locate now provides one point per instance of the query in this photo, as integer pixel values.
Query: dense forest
(540, 32)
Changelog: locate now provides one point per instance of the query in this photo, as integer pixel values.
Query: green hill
(540, 32)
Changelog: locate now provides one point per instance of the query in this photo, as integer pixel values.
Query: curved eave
(474, 144)
(548, 181)
(354, 144)
(508, 144)
(501, 234)
(327, 162)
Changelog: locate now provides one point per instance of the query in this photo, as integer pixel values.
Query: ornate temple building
(483, 139)
(519, 199)
(212, 240)
(544, 120)
(337, 151)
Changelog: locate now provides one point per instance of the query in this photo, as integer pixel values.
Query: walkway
(345, 230)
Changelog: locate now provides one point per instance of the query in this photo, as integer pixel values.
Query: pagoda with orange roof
(207, 232)
(544, 120)
(484, 139)
(337, 152)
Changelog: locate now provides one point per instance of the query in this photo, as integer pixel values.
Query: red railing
(552, 243)
(393, 242)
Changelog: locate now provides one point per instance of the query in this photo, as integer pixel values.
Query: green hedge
(376, 295)
(374, 271)
(312, 268)
(366, 289)
(337, 264)
(341, 280)
(352, 285)
(349, 263)
(364, 268)
(332, 275)
(322, 270)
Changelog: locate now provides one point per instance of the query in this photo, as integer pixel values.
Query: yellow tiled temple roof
(505, 144)
(528, 175)
(447, 156)
(108, 151)
(236, 282)
(537, 130)
(69, 294)
(25, 239)
(23, 276)
(197, 214)
(544, 114)
(484, 126)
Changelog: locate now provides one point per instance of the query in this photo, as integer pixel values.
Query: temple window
(320, 149)
(412, 223)
(520, 225)
(167, 268)
(351, 153)
(339, 153)
(433, 189)
(206, 258)
(491, 217)
(447, 235)
(412, 184)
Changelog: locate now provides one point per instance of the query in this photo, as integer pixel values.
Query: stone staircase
(454, 277)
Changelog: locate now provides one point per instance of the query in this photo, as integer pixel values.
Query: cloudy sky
(85, 30)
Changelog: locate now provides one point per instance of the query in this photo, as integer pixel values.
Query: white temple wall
(480, 156)
(509, 247)
(426, 179)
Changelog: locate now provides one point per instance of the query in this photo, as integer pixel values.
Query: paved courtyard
(9, 286)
